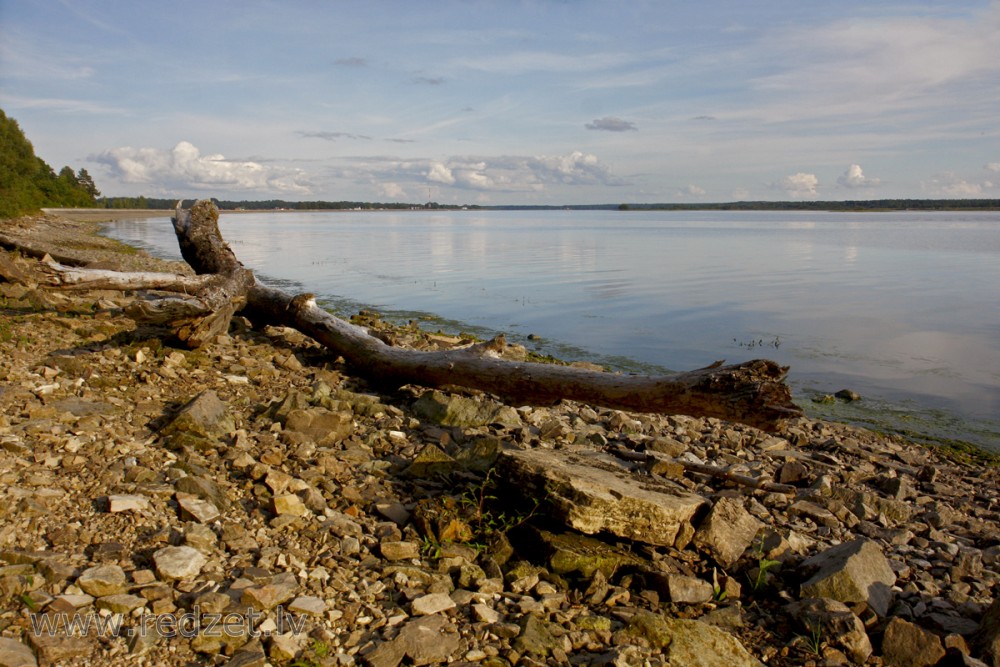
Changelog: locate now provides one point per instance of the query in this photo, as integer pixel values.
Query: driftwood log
(753, 392)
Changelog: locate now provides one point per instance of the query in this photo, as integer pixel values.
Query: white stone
(178, 562)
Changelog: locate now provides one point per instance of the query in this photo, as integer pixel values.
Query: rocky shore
(255, 503)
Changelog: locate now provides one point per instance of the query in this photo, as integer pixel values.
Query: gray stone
(309, 605)
(579, 555)
(432, 461)
(987, 637)
(127, 503)
(270, 595)
(103, 580)
(431, 604)
(15, 654)
(122, 603)
(862, 502)
(289, 503)
(205, 489)
(450, 410)
(178, 562)
(424, 641)
(905, 644)
(855, 571)
(323, 426)
(58, 648)
(835, 623)
(393, 550)
(201, 423)
(727, 531)
(250, 654)
(197, 509)
(593, 492)
(538, 636)
(688, 590)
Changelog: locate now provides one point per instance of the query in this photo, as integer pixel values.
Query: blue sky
(545, 102)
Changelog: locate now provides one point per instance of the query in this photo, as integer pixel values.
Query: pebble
(325, 527)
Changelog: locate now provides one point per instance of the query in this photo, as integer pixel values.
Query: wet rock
(848, 395)
(201, 424)
(855, 571)
(906, 644)
(593, 492)
(727, 531)
(449, 410)
(835, 623)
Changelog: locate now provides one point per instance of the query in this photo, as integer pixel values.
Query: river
(902, 308)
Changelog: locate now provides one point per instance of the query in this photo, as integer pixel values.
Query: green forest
(27, 183)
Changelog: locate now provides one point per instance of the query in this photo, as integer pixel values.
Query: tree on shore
(27, 183)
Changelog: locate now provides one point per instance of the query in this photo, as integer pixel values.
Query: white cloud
(854, 177)
(391, 191)
(514, 173)
(611, 124)
(439, 173)
(741, 194)
(185, 167)
(799, 185)
(691, 191)
(949, 184)
(993, 166)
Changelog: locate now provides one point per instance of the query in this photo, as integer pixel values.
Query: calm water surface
(903, 308)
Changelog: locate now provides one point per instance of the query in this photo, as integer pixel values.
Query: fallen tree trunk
(753, 392)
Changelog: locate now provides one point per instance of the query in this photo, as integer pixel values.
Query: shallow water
(903, 308)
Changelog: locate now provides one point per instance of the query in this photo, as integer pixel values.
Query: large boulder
(855, 571)
(593, 492)
(727, 531)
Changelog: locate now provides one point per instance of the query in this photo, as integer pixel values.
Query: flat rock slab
(593, 492)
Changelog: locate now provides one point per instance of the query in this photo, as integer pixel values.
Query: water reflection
(903, 306)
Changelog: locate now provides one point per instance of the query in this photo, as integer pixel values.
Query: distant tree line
(27, 183)
(849, 205)
(270, 204)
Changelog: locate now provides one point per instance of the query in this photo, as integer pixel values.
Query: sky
(511, 102)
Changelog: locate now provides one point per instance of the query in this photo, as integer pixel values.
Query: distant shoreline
(163, 207)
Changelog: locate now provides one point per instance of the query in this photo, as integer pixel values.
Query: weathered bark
(199, 318)
(753, 392)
